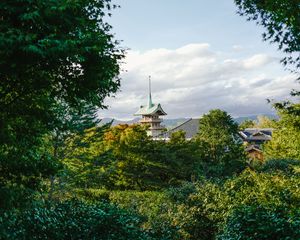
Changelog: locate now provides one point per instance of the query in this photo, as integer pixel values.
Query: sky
(201, 55)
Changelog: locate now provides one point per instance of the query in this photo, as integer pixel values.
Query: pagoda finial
(150, 104)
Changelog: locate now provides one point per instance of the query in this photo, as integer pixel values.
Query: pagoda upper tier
(150, 115)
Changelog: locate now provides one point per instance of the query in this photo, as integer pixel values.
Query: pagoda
(150, 115)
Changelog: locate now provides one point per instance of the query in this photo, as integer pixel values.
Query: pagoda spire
(150, 104)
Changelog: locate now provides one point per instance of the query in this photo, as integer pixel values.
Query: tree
(218, 134)
(138, 162)
(53, 54)
(280, 18)
(123, 157)
(185, 155)
(264, 122)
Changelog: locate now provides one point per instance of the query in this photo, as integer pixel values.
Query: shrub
(71, 220)
(252, 188)
(202, 210)
(155, 207)
(208, 208)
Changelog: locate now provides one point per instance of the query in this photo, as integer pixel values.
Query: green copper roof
(150, 110)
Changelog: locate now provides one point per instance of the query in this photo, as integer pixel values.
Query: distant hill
(117, 122)
(169, 123)
(173, 122)
(254, 117)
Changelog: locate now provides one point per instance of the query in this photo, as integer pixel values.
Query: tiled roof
(190, 127)
(257, 134)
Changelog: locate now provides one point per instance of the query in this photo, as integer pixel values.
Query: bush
(172, 214)
(202, 210)
(155, 207)
(257, 222)
(252, 188)
(208, 207)
(71, 220)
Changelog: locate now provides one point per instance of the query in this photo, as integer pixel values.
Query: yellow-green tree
(285, 141)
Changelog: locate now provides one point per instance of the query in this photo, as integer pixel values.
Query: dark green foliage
(204, 209)
(69, 122)
(186, 157)
(56, 49)
(281, 166)
(155, 207)
(201, 213)
(15, 196)
(71, 220)
(211, 205)
(179, 213)
(281, 20)
(58, 61)
(22, 170)
(257, 222)
(181, 193)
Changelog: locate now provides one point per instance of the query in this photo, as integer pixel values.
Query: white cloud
(193, 79)
(257, 60)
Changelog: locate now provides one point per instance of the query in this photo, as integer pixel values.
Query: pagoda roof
(151, 110)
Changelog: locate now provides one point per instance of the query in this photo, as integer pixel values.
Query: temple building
(151, 116)
(253, 139)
